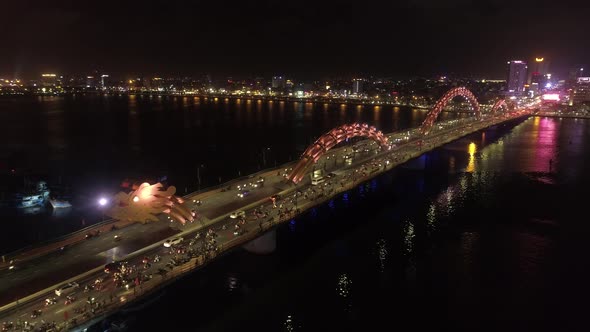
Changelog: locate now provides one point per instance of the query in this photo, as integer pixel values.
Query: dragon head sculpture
(145, 203)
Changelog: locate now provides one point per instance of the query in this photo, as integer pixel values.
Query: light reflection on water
(314, 212)
(344, 290)
(331, 204)
(374, 185)
(382, 253)
(361, 190)
(431, 217)
(232, 283)
(472, 151)
(409, 237)
(345, 199)
(344, 285)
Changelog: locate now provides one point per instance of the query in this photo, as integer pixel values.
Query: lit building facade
(538, 71)
(357, 86)
(278, 82)
(517, 71)
(49, 80)
(581, 91)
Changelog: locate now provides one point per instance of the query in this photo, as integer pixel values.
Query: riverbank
(575, 115)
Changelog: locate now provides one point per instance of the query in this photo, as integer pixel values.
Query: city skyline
(293, 165)
(301, 40)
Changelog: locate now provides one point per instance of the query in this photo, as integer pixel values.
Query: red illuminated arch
(442, 102)
(329, 140)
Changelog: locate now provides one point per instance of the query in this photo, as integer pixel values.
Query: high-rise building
(357, 86)
(581, 91)
(104, 81)
(538, 71)
(278, 82)
(517, 71)
(49, 80)
(90, 82)
(259, 83)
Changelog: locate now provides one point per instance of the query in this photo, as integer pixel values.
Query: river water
(487, 233)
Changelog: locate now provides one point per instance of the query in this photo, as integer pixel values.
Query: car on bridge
(171, 242)
(67, 288)
(243, 193)
(237, 214)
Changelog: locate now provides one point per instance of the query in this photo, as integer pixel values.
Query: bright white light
(102, 201)
(136, 199)
(551, 96)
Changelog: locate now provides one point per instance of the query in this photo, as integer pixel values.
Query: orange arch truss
(331, 139)
(443, 101)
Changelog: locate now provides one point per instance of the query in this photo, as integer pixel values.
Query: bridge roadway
(88, 258)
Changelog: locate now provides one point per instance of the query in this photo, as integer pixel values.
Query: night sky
(304, 39)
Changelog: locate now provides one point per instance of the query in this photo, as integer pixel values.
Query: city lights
(199, 165)
(551, 97)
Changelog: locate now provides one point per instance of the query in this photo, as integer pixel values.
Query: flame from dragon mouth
(150, 200)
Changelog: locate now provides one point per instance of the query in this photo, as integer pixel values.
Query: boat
(59, 203)
(28, 198)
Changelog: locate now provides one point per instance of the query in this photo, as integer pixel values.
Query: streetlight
(103, 202)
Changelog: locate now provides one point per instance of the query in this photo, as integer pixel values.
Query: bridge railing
(6, 257)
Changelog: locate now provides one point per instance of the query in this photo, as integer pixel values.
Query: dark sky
(303, 38)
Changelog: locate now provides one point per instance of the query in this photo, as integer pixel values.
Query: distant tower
(517, 71)
(538, 71)
(357, 86)
(102, 80)
(90, 82)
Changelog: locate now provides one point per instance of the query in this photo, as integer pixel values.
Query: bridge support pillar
(262, 245)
